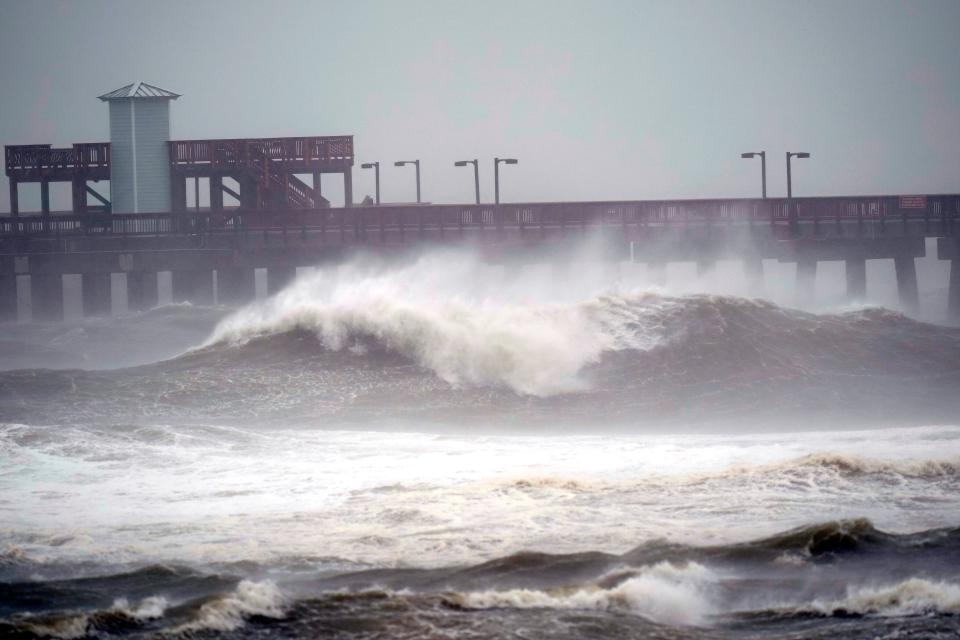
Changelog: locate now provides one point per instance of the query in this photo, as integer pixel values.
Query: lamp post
(791, 211)
(763, 167)
(376, 168)
(476, 174)
(416, 163)
(496, 176)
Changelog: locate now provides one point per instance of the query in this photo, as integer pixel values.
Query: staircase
(279, 187)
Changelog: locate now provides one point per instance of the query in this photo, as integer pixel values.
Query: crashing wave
(913, 597)
(448, 318)
(856, 465)
(664, 593)
(535, 347)
(121, 615)
(229, 612)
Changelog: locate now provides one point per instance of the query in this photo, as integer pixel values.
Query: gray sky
(598, 100)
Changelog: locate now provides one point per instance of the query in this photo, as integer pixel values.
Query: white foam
(455, 318)
(78, 626)
(853, 464)
(912, 597)
(429, 500)
(148, 609)
(261, 598)
(663, 593)
(64, 629)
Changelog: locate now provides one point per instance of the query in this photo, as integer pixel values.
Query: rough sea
(447, 450)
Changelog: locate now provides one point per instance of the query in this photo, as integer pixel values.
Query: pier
(267, 211)
(211, 254)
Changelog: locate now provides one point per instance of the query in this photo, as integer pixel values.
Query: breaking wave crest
(913, 597)
(855, 465)
(221, 612)
(228, 612)
(689, 588)
(451, 342)
(825, 468)
(121, 616)
(664, 593)
(534, 347)
(539, 338)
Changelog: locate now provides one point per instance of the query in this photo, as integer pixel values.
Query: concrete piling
(753, 274)
(907, 288)
(953, 296)
(96, 294)
(856, 272)
(142, 293)
(8, 298)
(806, 281)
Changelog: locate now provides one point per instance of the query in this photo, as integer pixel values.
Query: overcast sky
(598, 100)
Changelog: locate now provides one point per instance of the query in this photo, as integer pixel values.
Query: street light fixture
(496, 176)
(791, 211)
(793, 154)
(416, 163)
(476, 174)
(376, 167)
(763, 167)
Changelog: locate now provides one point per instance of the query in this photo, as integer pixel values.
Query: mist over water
(442, 447)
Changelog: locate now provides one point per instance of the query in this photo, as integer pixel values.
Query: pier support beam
(46, 296)
(78, 195)
(249, 198)
(236, 286)
(907, 283)
(142, 291)
(347, 187)
(8, 297)
(45, 195)
(192, 286)
(856, 269)
(704, 267)
(14, 198)
(96, 294)
(953, 296)
(178, 192)
(216, 193)
(317, 189)
(278, 277)
(806, 281)
(753, 274)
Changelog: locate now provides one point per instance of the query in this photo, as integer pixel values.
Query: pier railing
(871, 214)
(229, 153)
(29, 161)
(39, 159)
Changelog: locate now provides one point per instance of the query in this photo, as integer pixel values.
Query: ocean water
(441, 449)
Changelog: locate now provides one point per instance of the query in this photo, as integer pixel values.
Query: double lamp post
(763, 168)
(459, 163)
(791, 212)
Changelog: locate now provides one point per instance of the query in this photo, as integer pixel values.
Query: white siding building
(139, 157)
